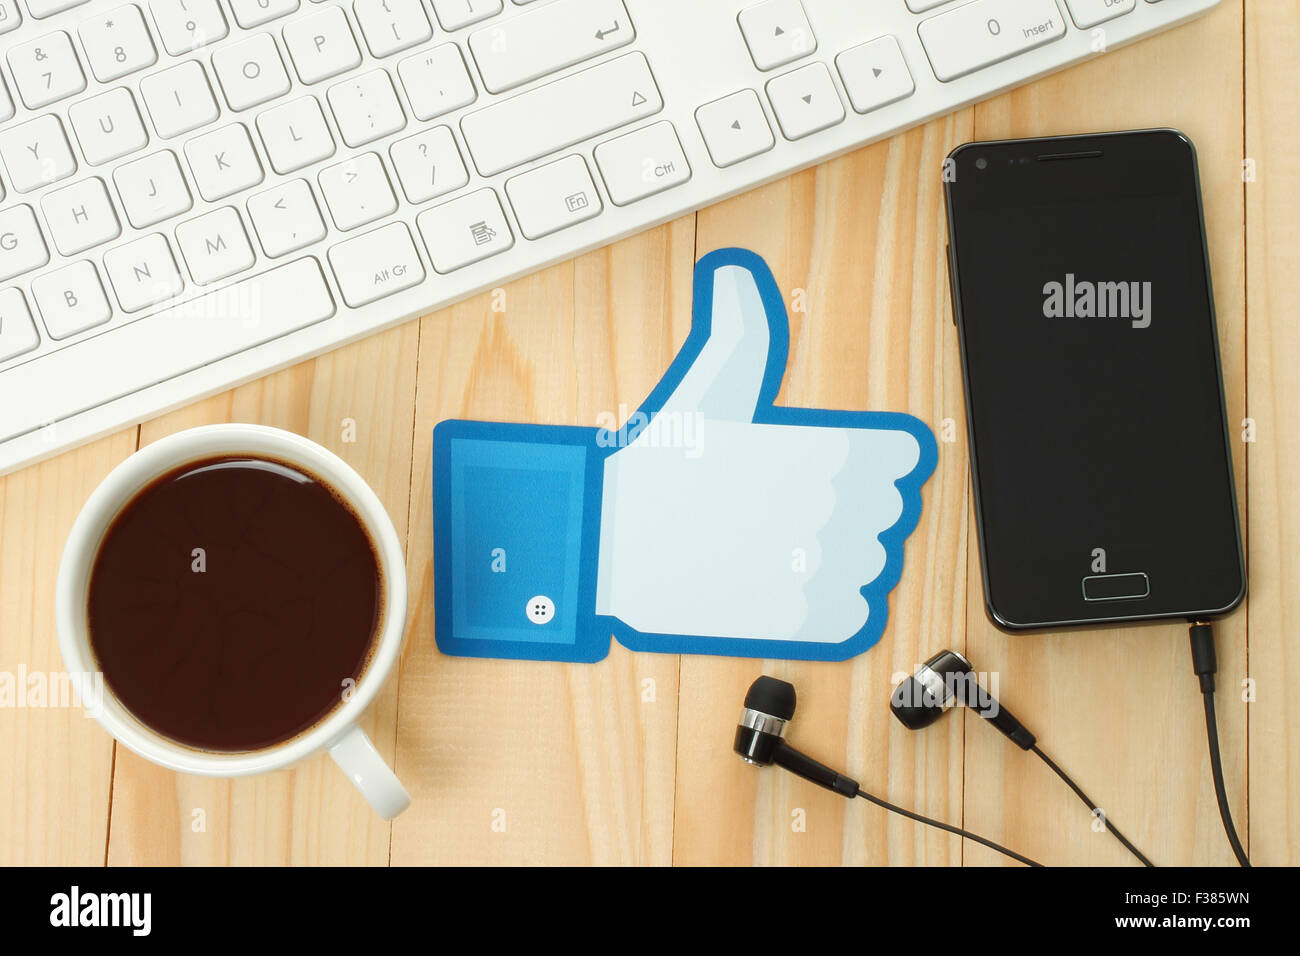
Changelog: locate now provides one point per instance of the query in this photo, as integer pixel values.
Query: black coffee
(233, 603)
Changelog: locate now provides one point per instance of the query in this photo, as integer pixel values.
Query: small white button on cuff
(540, 609)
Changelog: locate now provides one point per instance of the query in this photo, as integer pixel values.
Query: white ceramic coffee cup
(337, 733)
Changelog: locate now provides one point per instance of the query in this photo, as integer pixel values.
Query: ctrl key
(377, 264)
(17, 330)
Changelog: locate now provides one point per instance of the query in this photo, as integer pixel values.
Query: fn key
(377, 264)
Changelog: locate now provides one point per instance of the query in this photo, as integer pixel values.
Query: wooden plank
(1120, 708)
(1273, 459)
(860, 241)
(310, 814)
(56, 773)
(513, 761)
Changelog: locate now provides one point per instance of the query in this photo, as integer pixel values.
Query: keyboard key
(549, 38)
(734, 128)
(643, 163)
(377, 264)
(454, 14)
(22, 248)
(777, 32)
(805, 101)
(295, 135)
(80, 216)
(1089, 13)
(46, 70)
(390, 26)
(179, 99)
(152, 189)
(366, 108)
(357, 191)
(41, 9)
(428, 164)
(250, 72)
(36, 153)
(223, 162)
(977, 34)
(6, 102)
(215, 246)
(165, 344)
(10, 18)
(321, 45)
(117, 43)
(465, 230)
(186, 25)
(561, 113)
(286, 218)
(436, 81)
(108, 126)
(143, 273)
(875, 74)
(17, 330)
(553, 197)
(71, 299)
(253, 13)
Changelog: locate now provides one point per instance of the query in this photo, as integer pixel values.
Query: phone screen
(1102, 473)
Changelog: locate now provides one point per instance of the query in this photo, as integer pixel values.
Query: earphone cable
(1114, 831)
(946, 826)
(1205, 664)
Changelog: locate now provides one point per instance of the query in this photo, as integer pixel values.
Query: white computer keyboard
(197, 192)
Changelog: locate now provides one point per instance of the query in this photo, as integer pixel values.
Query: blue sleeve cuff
(516, 530)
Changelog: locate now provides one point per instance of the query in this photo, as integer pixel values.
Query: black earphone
(946, 679)
(920, 700)
(760, 740)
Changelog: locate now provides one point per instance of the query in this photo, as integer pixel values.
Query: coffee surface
(233, 603)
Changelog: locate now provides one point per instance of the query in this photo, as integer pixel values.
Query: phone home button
(1116, 587)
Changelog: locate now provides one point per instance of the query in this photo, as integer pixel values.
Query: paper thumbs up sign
(713, 521)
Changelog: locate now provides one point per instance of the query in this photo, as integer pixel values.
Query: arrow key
(777, 32)
(734, 128)
(875, 74)
(805, 101)
(286, 217)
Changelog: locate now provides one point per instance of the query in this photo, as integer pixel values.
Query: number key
(46, 69)
(117, 43)
(186, 25)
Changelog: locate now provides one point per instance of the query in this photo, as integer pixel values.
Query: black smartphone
(1100, 454)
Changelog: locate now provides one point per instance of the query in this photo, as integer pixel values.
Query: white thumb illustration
(727, 517)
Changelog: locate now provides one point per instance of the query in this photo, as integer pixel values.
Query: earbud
(769, 706)
(945, 679)
(760, 740)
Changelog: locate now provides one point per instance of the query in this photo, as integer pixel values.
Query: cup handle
(358, 758)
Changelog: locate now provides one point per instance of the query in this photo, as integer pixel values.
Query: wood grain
(1273, 459)
(629, 761)
(55, 762)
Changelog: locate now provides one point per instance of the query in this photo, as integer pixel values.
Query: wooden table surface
(629, 761)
